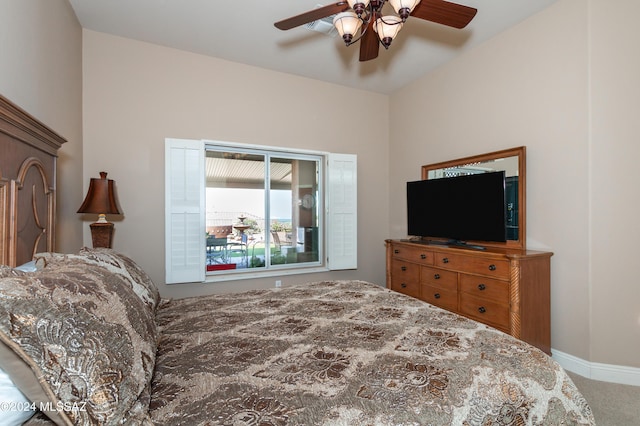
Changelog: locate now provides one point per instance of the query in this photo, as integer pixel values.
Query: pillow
(8, 271)
(143, 284)
(116, 263)
(26, 381)
(28, 267)
(16, 408)
(80, 342)
(43, 259)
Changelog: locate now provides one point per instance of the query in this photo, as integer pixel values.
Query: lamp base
(102, 234)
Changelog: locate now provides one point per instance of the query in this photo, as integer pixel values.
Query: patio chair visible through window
(278, 243)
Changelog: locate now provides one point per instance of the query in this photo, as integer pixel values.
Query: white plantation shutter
(185, 211)
(342, 209)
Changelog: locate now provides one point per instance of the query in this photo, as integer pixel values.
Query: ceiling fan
(376, 29)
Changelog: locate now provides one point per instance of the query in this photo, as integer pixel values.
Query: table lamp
(101, 199)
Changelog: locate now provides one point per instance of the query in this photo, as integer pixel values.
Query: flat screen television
(458, 209)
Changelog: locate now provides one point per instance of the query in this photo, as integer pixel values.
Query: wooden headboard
(28, 153)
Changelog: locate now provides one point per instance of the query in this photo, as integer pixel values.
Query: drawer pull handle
(423, 256)
(481, 287)
(437, 295)
(403, 268)
(403, 285)
(492, 267)
(396, 251)
(482, 309)
(445, 260)
(436, 276)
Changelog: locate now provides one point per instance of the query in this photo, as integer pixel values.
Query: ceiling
(244, 32)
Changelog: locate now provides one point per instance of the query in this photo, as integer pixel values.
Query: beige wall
(41, 71)
(563, 83)
(614, 195)
(138, 94)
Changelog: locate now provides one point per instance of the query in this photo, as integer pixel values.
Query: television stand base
(456, 243)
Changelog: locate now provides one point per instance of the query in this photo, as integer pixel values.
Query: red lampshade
(101, 197)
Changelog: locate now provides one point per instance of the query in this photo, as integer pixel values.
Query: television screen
(460, 208)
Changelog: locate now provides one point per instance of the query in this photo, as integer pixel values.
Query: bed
(350, 353)
(86, 339)
(89, 332)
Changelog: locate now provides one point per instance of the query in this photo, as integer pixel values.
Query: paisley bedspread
(347, 353)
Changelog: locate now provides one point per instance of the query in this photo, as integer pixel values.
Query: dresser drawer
(439, 278)
(486, 288)
(413, 254)
(447, 299)
(405, 270)
(473, 265)
(405, 277)
(410, 288)
(483, 310)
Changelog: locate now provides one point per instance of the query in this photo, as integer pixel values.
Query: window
(236, 210)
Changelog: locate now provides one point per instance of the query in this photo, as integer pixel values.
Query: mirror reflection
(512, 162)
(509, 165)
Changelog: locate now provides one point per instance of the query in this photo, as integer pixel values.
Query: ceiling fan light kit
(358, 6)
(347, 24)
(387, 28)
(404, 7)
(375, 28)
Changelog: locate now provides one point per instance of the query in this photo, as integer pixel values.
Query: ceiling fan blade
(444, 12)
(312, 15)
(369, 43)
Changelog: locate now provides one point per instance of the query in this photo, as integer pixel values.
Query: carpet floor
(612, 404)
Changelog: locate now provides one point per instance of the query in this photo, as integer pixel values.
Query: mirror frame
(519, 152)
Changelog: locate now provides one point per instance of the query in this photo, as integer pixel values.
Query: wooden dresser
(504, 288)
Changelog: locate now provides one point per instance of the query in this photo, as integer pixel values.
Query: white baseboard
(597, 371)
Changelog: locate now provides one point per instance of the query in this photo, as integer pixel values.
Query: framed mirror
(513, 163)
